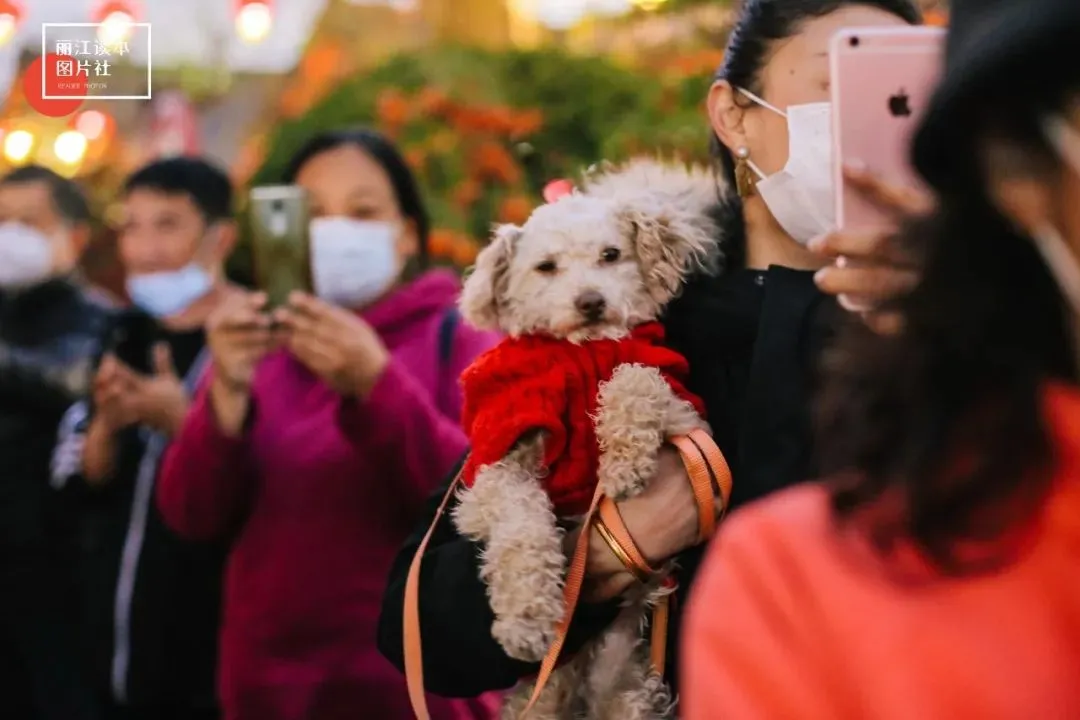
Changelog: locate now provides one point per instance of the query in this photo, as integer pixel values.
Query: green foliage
(591, 109)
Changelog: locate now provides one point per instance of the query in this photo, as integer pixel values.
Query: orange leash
(709, 473)
(575, 578)
(704, 462)
(413, 648)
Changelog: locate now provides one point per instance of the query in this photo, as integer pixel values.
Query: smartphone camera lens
(854, 42)
(277, 206)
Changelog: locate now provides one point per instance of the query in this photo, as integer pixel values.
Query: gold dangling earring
(744, 175)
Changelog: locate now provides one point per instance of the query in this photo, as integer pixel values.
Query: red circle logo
(63, 81)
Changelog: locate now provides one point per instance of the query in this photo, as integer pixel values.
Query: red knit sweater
(542, 383)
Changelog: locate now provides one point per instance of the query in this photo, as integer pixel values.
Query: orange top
(793, 619)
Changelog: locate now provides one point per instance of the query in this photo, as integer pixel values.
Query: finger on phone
(305, 304)
(854, 304)
(852, 243)
(895, 199)
(246, 318)
(295, 320)
(875, 282)
(163, 360)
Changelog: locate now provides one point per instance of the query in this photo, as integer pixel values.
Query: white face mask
(170, 292)
(1057, 255)
(802, 196)
(164, 294)
(26, 256)
(353, 262)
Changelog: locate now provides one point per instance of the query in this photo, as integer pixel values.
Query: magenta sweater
(318, 497)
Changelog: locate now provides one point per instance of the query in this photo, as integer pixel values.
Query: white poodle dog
(588, 268)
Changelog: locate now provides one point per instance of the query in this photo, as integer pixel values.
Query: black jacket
(50, 337)
(157, 649)
(752, 340)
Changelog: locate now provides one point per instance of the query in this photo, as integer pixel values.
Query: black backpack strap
(446, 335)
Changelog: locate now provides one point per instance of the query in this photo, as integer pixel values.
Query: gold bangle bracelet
(619, 552)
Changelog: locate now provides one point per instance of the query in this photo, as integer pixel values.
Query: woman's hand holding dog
(334, 343)
(868, 268)
(663, 521)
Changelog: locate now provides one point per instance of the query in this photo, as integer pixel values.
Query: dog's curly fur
(632, 234)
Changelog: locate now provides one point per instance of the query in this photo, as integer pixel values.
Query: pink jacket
(318, 496)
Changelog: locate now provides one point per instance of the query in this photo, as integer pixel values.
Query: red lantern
(11, 16)
(254, 19)
(116, 9)
(12, 8)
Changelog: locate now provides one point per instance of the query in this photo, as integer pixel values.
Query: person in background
(934, 575)
(102, 269)
(151, 598)
(50, 332)
(315, 459)
(752, 336)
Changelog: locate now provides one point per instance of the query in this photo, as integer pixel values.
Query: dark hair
(66, 196)
(759, 26)
(386, 154)
(947, 417)
(207, 185)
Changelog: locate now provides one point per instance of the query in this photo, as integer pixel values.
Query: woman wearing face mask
(752, 337)
(316, 457)
(935, 577)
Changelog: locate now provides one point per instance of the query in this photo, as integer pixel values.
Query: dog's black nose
(591, 304)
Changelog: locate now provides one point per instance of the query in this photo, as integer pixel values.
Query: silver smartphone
(280, 244)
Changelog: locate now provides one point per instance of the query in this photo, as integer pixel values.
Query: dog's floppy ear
(670, 248)
(485, 285)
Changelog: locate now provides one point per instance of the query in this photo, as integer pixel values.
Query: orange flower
(440, 242)
(392, 108)
(464, 251)
(493, 162)
(416, 158)
(526, 123)
(515, 209)
(465, 120)
(499, 120)
(467, 193)
(432, 101)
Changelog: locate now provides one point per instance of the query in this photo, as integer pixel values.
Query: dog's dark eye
(547, 267)
(611, 255)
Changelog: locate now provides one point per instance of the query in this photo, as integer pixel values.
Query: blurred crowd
(209, 505)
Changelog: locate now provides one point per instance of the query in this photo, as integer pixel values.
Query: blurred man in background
(152, 600)
(50, 335)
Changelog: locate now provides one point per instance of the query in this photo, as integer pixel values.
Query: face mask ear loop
(757, 171)
(208, 249)
(763, 103)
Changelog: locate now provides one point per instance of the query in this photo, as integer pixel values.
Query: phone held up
(882, 80)
(280, 245)
(131, 337)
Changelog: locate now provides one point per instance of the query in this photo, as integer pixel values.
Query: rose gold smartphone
(882, 80)
(280, 249)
